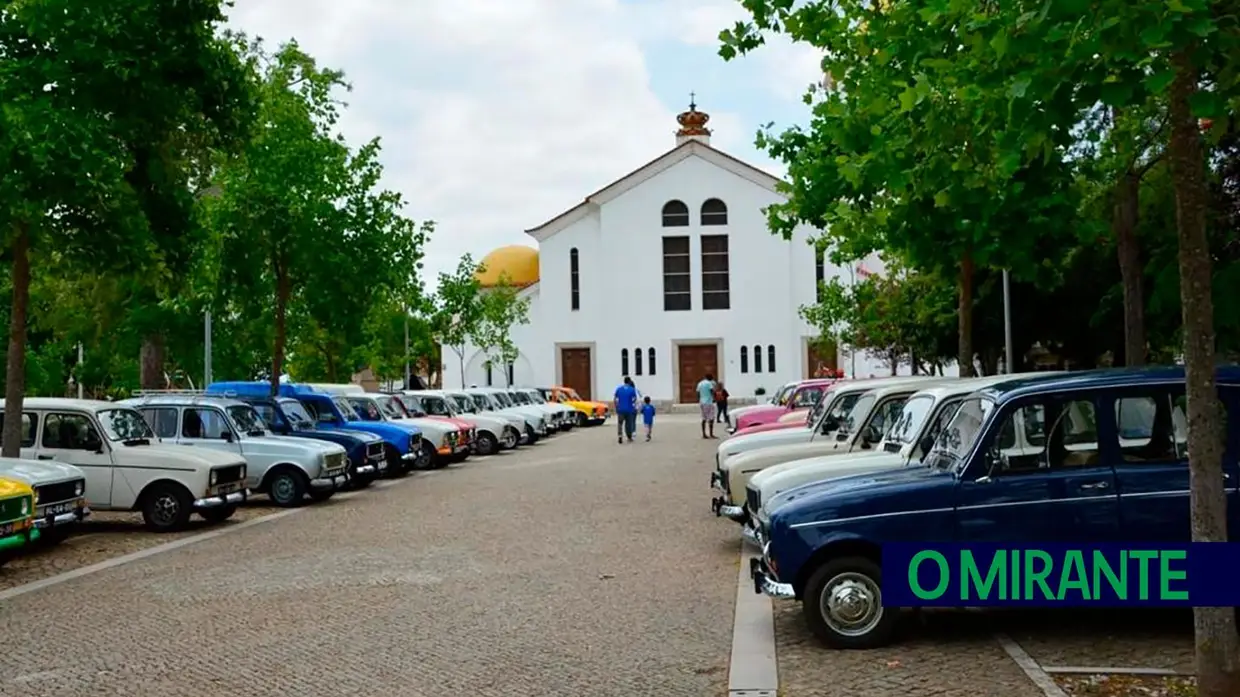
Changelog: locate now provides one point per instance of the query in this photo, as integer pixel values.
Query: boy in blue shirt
(648, 416)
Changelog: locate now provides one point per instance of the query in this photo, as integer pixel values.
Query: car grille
(753, 498)
(465, 436)
(452, 437)
(335, 461)
(374, 451)
(228, 475)
(57, 493)
(11, 509)
(723, 482)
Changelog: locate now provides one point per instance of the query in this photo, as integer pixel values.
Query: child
(648, 416)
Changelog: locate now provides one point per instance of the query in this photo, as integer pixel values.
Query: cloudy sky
(496, 115)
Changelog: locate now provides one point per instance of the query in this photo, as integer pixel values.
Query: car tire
(396, 467)
(287, 487)
(852, 587)
(218, 514)
(166, 507)
(529, 432)
(512, 438)
(53, 536)
(582, 419)
(428, 457)
(358, 482)
(321, 495)
(486, 444)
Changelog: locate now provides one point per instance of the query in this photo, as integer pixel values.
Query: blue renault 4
(1094, 456)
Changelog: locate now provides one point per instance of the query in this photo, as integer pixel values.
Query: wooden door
(575, 369)
(695, 363)
(821, 361)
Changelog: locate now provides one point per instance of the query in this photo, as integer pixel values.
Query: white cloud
(499, 114)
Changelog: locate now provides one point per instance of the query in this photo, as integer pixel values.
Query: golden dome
(693, 122)
(516, 263)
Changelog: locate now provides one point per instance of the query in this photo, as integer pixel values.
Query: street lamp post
(1008, 360)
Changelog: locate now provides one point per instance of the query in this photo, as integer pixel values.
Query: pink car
(804, 396)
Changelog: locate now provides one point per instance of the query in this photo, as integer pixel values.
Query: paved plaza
(573, 567)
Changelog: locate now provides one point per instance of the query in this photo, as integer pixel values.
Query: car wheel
(287, 488)
(358, 482)
(486, 444)
(320, 495)
(166, 508)
(529, 432)
(843, 604)
(428, 457)
(582, 419)
(53, 536)
(218, 514)
(512, 438)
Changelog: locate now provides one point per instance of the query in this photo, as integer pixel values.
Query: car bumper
(235, 497)
(365, 469)
(765, 583)
(330, 480)
(55, 515)
(449, 450)
(751, 534)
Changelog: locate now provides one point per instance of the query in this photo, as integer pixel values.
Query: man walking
(626, 410)
(706, 400)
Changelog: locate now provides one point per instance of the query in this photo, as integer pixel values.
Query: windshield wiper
(256, 432)
(137, 441)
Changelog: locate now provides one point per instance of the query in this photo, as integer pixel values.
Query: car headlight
(25, 506)
(413, 442)
(79, 489)
(215, 477)
(36, 497)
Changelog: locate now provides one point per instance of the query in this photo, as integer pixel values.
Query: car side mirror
(872, 434)
(227, 436)
(92, 442)
(829, 424)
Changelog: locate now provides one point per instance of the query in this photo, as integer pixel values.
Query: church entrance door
(575, 369)
(694, 363)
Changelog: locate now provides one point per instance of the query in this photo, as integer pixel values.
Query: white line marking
(1115, 670)
(1031, 668)
(173, 545)
(754, 671)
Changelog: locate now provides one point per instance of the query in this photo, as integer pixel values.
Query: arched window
(574, 279)
(744, 359)
(757, 358)
(624, 361)
(489, 378)
(650, 361)
(714, 212)
(676, 214)
(770, 358)
(637, 361)
(511, 378)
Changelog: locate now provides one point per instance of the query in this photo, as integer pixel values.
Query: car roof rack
(197, 395)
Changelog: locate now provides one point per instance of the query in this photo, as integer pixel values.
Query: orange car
(588, 411)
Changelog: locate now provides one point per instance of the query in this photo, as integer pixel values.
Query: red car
(804, 396)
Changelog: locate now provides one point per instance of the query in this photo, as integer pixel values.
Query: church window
(757, 358)
(744, 359)
(624, 361)
(487, 365)
(819, 271)
(650, 360)
(637, 361)
(676, 292)
(770, 358)
(510, 375)
(574, 271)
(675, 214)
(715, 286)
(714, 212)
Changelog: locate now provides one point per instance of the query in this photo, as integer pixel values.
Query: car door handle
(1096, 485)
(45, 457)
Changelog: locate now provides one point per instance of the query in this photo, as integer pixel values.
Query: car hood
(741, 411)
(38, 471)
(182, 456)
(766, 428)
(796, 416)
(429, 425)
(759, 411)
(455, 422)
(360, 435)
(743, 443)
(278, 445)
(525, 412)
(485, 422)
(386, 428)
(14, 487)
(870, 493)
(790, 475)
(760, 459)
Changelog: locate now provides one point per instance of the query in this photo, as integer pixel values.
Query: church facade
(666, 275)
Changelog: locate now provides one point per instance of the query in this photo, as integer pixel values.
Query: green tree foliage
(458, 312)
(503, 308)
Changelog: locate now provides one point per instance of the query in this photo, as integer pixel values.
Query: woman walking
(721, 404)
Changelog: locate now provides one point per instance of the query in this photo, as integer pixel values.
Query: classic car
(456, 443)
(555, 417)
(589, 412)
(509, 429)
(565, 416)
(59, 491)
(286, 469)
(497, 401)
(906, 442)
(285, 416)
(800, 418)
(862, 429)
(127, 468)
(440, 441)
(802, 397)
(402, 442)
(483, 404)
(1089, 471)
(492, 434)
(779, 398)
(16, 517)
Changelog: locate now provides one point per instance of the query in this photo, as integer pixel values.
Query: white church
(704, 286)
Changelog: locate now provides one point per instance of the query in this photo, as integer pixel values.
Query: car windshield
(955, 441)
(840, 407)
(296, 414)
(572, 394)
(535, 397)
(124, 425)
(346, 408)
(856, 415)
(391, 407)
(906, 428)
(367, 408)
(437, 406)
(518, 397)
(246, 420)
(502, 399)
(481, 402)
(464, 404)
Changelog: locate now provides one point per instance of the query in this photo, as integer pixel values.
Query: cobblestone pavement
(575, 567)
(1105, 638)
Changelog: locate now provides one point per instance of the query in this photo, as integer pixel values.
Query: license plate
(9, 528)
(224, 489)
(58, 508)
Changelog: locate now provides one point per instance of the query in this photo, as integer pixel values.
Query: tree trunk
(1217, 644)
(964, 355)
(894, 359)
(283, 291)
(15, 371)
(460, 357)
(1124, 226)
(151, 363)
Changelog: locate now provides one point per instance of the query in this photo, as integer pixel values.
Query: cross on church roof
(692, 98)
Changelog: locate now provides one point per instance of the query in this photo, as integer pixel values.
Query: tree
(80, 80)
(503, 308)
(458, 308)
(277, 211)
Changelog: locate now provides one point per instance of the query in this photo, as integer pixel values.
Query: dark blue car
(402, 443)
(1095, 456)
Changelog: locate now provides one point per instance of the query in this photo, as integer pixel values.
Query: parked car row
(172, 454)
(1084, 457)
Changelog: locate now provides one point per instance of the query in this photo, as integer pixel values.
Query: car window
(266, 412)
(346, 408)
(843, 405)
(366, 408)
(390, 407)
(204, 423)
(297, 413)
(70, 432)
(1179, 417)
(905, 426)
(436, 406)
(162, 420)
(859, 411)
(944, 417)
(886, 414)
(247, 420)
(807, 397)
(1071, 441)
(30, 424)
